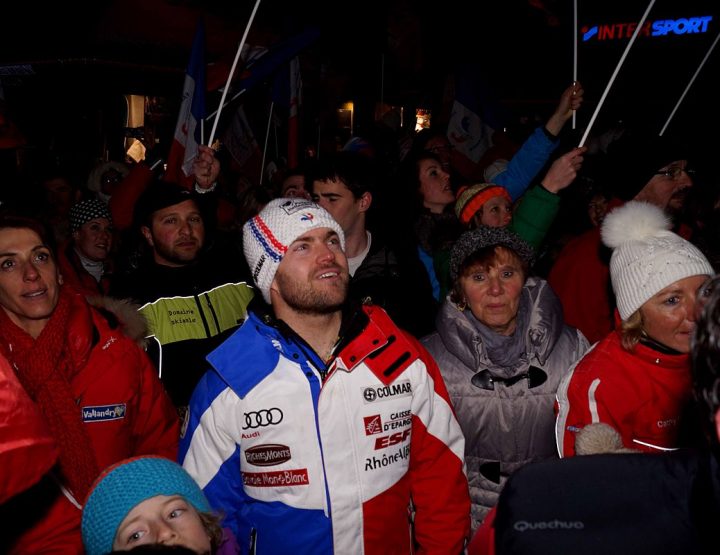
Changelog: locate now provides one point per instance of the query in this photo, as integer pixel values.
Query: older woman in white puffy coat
(502, 349)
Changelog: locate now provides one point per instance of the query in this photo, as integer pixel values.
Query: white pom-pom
(634, 221)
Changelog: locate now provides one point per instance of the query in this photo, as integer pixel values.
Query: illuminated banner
(658, 28)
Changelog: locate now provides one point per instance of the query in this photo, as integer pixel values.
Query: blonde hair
(631, 331)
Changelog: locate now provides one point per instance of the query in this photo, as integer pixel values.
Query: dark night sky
(523, 49)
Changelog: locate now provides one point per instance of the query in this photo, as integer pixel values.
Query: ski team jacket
(126, 413)
(641, 394)
(303, 465)
(190, 311)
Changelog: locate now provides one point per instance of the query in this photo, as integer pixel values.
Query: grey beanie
(472, 241)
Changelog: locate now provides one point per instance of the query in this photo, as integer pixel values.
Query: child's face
(496, 212)
(163, 520)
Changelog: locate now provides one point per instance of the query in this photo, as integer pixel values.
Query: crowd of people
(367, 355)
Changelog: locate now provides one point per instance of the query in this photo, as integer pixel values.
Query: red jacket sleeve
(483, 542)
(27, 450)
(439, 485)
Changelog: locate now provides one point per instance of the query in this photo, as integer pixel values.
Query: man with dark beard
(321, 427)
(191, 287)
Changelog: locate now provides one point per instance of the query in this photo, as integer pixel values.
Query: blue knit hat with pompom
(124, 485)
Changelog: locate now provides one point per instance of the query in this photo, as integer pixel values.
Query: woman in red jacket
(97, 390)
(637, 379)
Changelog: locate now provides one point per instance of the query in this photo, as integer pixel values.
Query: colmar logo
(401, 389)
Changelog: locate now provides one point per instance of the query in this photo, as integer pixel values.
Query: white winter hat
(267, 236)
(647, 256)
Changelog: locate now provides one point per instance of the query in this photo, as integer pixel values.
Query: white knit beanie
(267, 236)
(647, 256)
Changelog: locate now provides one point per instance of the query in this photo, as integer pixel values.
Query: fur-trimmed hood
(125, 315)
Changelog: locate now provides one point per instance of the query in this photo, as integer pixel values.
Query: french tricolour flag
(184, 147)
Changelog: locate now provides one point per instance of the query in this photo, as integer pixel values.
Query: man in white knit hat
(322, 427)
(637, 379)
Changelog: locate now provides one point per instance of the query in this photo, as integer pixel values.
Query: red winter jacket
(27, 450)
(126, 412)
(641, 394)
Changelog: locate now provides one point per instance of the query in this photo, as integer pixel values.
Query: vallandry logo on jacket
(400, 389)
(102, 413)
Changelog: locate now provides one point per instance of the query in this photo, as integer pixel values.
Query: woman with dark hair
(502, 349)
(96, 388)
(428, 209)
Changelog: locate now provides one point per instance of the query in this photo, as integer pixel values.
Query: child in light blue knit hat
(150, 500)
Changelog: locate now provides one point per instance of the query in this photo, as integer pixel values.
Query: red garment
(581, 279)
(642, 394)
(483, 541)
(76, 276)
(122, 202)
(126, 413)
(27, 450)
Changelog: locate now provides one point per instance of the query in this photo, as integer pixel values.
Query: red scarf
(45, 369)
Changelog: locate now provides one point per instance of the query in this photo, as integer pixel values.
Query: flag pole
(267, 136)
(223, 105)
(682, 96)
(575, 48)
(232, 71)
(615, 73)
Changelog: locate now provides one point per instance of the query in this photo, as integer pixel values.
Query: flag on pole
(239, 140)
(467, 131)
(187, 137)
(287, 94)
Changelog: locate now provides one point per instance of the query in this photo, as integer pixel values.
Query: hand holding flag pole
(615, 73)
(232, 71)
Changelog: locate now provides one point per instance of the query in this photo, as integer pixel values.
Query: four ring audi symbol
(262, 418)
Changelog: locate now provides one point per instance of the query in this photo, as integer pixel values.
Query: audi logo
(262, 418)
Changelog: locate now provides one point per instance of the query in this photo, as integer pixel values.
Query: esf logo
(392, 439)
(659, 28)
(262, 418)
(402, 389)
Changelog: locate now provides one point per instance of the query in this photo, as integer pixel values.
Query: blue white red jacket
(362, 456)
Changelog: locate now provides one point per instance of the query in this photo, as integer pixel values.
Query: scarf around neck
(45, 369)
(504, 350)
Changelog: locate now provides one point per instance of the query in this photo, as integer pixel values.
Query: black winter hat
(633, 159)
(157, 196)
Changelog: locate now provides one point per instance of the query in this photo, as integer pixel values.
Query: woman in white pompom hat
(637, 379)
